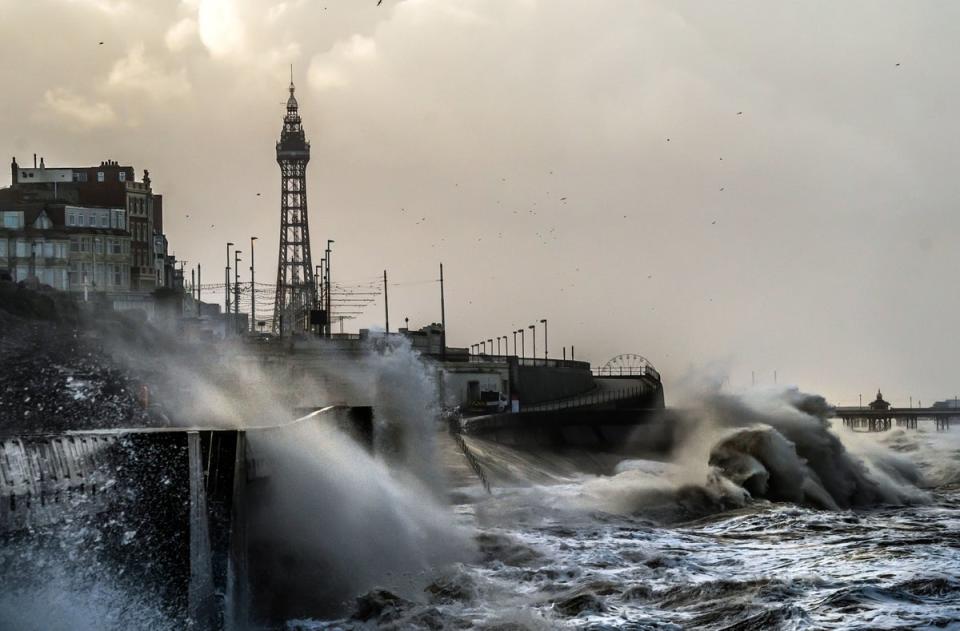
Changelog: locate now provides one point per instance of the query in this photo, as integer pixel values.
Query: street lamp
(514, 342)
(236, 291)
(546, 352)
(491, 345)
(253, 291)
(226, 285)
(329, 302)
(533, 334)
(523, 348)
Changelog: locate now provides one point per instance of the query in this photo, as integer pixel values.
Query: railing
(596, 398)
(528, 361)
(641, 371)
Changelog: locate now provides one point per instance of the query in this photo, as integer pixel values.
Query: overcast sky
(730, 187)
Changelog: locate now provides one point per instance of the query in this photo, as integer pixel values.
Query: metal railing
(595, 398)
(641, 371)
(529, 361)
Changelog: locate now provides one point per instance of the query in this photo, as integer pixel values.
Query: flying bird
(739, 113)
(258, 194)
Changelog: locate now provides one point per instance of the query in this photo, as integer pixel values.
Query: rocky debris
(58, 373)
(381, 605)
(56, 378)
(452, 589)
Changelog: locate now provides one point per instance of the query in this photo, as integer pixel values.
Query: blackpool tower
(295, 287)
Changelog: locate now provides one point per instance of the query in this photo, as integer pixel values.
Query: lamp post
(533, 334)
(236, 291)
(226, 285)
(514, 342)
(523, 347)
(491, 345)
(327, 289)
(96, 240)
(253, 292)
(546, 352)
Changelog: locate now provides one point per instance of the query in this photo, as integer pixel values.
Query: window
(71, 219)
(3, 247)
(104, 221)
(99, 176)
(74, 245)
(123, 177)
(48, 252)
(23, 248)
(84, 245)
(79, 176)
(98, 246)
(115, 248)
(12, 219)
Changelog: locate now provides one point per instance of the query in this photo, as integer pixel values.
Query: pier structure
(880, 416)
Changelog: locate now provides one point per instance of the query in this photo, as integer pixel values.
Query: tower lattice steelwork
(295, 286)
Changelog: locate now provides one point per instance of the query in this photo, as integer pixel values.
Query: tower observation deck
(295, 283)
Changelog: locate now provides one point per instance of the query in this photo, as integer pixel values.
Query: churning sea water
(867, 538)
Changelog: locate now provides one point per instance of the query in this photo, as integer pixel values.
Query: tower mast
(295, 287)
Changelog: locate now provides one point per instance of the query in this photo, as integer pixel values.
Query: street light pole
(226, 288)
(523, 346)
(329, 301)
(322, 293)
(533, 328)
(236, 291)
(253, 292)
(546, 352)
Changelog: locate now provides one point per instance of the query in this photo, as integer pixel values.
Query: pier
(865, 419)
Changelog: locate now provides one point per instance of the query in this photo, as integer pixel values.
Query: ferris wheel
(626, 364)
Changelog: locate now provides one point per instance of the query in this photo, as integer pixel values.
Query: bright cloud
(136, 73)
(180, 35)
(220, 26)
(73, 110)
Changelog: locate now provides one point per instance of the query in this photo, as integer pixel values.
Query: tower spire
(296, 292)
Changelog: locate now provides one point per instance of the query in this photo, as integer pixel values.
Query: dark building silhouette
(107, 186)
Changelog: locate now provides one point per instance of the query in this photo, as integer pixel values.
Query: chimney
(34, 161)
(42, 165)
(14, 168)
